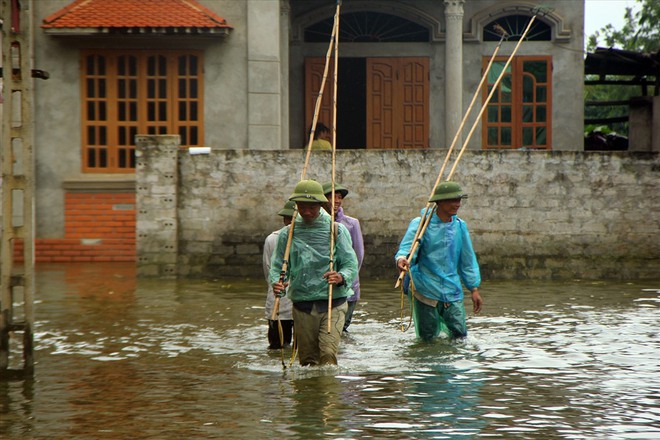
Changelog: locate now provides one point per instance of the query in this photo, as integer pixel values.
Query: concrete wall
(644, 123)
(531, 214)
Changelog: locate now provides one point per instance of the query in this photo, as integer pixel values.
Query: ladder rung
(17, 326)
(17, 280)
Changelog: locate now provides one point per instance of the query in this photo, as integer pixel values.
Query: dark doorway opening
(352, 103)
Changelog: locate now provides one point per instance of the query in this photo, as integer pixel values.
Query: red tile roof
(120, 14)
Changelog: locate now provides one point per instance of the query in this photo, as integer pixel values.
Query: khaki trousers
(315, 345)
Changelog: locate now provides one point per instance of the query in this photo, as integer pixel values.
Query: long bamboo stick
(490, 95)
(469, 109)
(334, 156)
(319, 97)
(426, 215)
(426, 218)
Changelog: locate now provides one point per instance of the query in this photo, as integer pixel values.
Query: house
(244, 75)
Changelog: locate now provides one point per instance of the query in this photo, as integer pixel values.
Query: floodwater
(121, 358)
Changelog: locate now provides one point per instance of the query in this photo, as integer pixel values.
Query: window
(519, 113)
(125, 94)
(515, 26)
(368, 27)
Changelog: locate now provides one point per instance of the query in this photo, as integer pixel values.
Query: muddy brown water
(123, 358)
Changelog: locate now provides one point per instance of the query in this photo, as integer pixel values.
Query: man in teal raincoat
(443, 263)
(308, 275)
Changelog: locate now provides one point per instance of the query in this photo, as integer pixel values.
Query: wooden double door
(381, 102)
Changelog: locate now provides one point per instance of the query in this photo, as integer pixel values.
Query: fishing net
(427, 320)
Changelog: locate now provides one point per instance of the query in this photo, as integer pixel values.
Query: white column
(453, 69)
(285, 25)
(264, 75)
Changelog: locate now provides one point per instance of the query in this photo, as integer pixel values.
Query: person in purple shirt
(353, 226)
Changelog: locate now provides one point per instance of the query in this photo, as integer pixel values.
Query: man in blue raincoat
(443, 263)
(308, 275)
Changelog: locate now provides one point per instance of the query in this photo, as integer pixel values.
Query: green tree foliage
(640, 33)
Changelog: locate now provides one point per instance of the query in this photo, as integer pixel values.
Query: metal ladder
(17, 187)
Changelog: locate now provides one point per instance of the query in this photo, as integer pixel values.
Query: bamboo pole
(287, 250)
(334, 156)
(503, 34)
(426, 215)
(319, 96)
(490, 95)
(426, 218)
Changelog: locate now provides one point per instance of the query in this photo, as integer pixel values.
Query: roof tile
(134, 13)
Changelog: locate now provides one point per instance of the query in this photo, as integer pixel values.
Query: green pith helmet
(327, 189)
(447, 191)
(288, 209)
(308, 191)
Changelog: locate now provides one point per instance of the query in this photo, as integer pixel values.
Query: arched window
(515, 26)
(368, 27)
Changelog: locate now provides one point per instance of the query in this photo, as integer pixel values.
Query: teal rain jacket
(444, 258)
(309, 259)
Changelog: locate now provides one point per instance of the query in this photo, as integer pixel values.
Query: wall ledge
(100, 183)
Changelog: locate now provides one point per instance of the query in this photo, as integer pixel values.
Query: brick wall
(98, 227)
(100, 215)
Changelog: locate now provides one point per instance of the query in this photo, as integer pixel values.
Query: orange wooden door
(397, 97)
(382, 111)
(314, 68)
(414, 87)
(397, 103)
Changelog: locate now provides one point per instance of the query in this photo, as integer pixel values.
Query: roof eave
(113, 31)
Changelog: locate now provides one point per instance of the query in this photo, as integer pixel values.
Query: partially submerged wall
(532, 214)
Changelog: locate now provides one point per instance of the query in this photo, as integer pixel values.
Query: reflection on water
(120, 358)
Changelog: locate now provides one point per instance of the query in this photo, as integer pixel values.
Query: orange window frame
(125, 93)
(519, 114)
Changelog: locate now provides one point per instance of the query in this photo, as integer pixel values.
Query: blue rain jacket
(309, 259)
(443, 260)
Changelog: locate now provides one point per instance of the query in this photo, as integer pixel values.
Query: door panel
(400, 118)
(415, 98)
(313, 79)
(380, 104)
